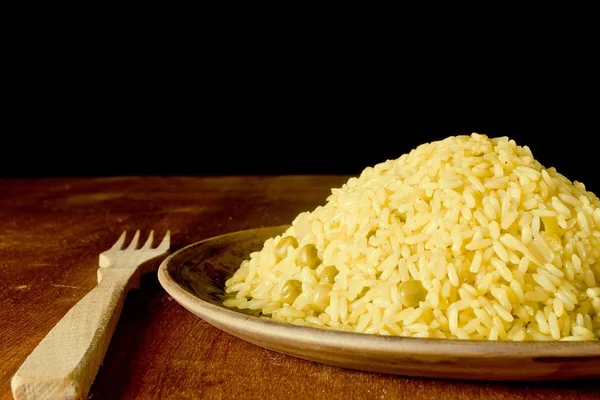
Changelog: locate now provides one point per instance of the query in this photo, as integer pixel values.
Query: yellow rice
(504, 248)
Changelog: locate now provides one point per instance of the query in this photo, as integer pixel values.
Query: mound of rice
(468, 237)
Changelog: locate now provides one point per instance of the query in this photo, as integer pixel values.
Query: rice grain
(495, 247)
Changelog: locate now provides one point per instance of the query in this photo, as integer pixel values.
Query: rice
(468, 237)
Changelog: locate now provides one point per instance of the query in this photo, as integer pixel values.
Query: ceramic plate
(195, 277)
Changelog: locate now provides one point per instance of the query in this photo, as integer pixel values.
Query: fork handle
(65, 362)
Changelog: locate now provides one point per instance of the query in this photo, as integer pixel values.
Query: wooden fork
(65, 362)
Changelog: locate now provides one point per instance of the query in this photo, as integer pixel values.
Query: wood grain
(64, 364)
(52, 230)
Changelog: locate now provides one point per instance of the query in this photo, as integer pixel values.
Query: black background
(264, 139)
(123, 111)
(265, 143)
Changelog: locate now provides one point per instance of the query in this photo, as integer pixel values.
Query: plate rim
(390, 345)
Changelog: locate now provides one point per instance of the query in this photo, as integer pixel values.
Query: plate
(195, 277)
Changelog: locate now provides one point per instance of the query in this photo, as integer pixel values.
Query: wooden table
(52, 230)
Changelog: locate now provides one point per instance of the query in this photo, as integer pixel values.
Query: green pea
(328, 274)
(291, 290)
(412, 292)
(309, 256)
(284, 243)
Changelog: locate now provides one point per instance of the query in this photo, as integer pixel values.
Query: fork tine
(119, 243)
(134, 241)
(148, 243)
(166, 242)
